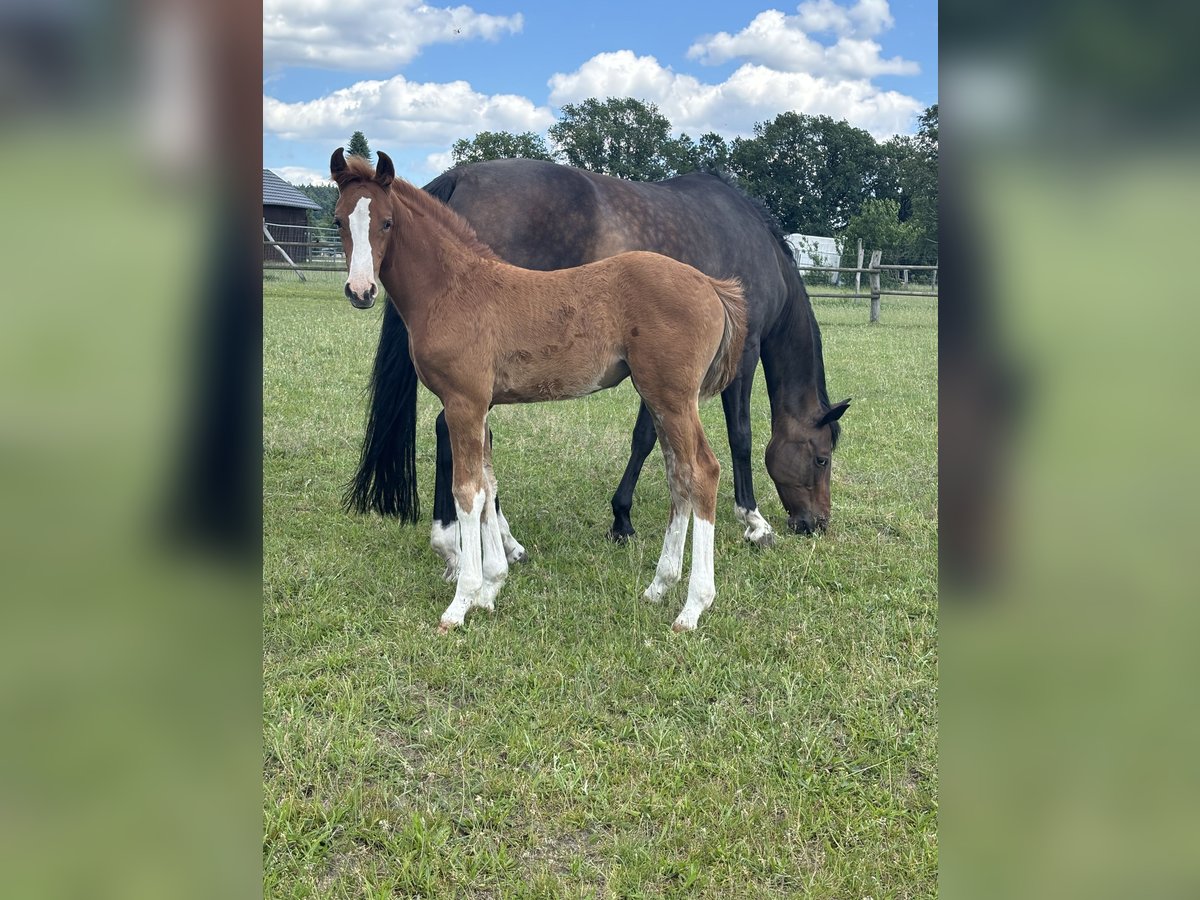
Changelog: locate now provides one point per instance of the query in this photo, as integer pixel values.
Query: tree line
(816, 175)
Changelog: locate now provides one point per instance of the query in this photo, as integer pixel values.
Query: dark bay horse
(544, 216)
(482, 332)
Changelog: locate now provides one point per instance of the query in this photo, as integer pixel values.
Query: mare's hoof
(761, 537)
(517, 556)
(679, 627)
(446, 627)
(620, 537)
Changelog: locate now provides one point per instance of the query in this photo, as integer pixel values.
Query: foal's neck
(431, 253)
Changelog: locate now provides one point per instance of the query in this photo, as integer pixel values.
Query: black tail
(386, 480)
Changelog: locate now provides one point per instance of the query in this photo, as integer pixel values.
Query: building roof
(277, 192)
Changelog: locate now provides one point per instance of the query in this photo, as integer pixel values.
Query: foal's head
(798, 459)
(363, 217)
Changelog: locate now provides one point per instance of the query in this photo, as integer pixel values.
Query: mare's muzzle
(363, 299)
(806, 523)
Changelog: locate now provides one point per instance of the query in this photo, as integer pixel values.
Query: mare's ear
(337, 165)
(384, 170)
(835, 413)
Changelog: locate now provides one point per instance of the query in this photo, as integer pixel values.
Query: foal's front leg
(466, 437)
(443, 537)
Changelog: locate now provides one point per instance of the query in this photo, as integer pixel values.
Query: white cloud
(753, 93)
(364, 34)
(301, 175)
(784, 43)
(398, 113)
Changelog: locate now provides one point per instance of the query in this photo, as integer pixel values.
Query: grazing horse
(483, 332)
(539, 215)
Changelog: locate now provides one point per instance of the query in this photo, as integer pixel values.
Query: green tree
(325, 196)
(909, 175)
(813, 173)
(500, 145)
(359, 146)
(879, 227)
(685, 155)
(624, 137)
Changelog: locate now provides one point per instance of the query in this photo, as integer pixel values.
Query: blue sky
(414, 78)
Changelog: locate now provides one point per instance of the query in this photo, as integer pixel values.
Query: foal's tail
(724, 366)
(386, 480)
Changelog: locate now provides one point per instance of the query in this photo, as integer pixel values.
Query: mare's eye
(337, 223)
(821, 461)
(387, 223)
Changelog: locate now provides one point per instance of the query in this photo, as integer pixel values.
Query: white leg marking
(758, 529)
(362, 267)
(470, 569)
(495, 563)
(512, 548)
(444, 540)
(701, 585)
(670, 564)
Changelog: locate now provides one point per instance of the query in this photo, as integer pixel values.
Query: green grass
(570, 744)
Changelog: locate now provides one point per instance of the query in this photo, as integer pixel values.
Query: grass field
(571, 744)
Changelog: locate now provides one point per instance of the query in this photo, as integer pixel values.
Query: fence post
(271, 240)
(876, 256)
(858, 275)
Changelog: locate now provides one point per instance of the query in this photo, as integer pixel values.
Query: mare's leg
(736, 400)
(495, 562)
(706, 472)
(640, 446)
(677, 457)
(466, 425)
(444, 535)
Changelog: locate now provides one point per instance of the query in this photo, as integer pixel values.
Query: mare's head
(363, 217)
(798, 461)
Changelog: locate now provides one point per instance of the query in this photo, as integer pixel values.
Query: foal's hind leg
(706, 472)
(676, 456)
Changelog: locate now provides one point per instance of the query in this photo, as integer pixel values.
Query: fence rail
(303, 248)
(874, 270)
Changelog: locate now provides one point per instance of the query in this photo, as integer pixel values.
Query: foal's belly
(523, 378)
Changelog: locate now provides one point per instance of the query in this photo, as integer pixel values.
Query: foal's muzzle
(363, 299)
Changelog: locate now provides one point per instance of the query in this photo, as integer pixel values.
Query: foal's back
(571, 332)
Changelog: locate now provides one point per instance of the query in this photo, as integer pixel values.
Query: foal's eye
(387, 223)
(821, 461)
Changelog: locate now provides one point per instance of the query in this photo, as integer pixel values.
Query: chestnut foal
(484, 332)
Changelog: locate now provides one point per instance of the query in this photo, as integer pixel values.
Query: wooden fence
(874, 270)
(302, 248)
(307, 249)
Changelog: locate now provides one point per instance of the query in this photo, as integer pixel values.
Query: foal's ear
(835, 413)
(337, 164)
(384, 170)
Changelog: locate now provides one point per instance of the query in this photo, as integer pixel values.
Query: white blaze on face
(362, 266)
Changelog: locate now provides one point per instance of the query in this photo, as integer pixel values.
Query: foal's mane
(421, 204)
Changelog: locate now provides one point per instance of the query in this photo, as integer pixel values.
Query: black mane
(768, 218)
